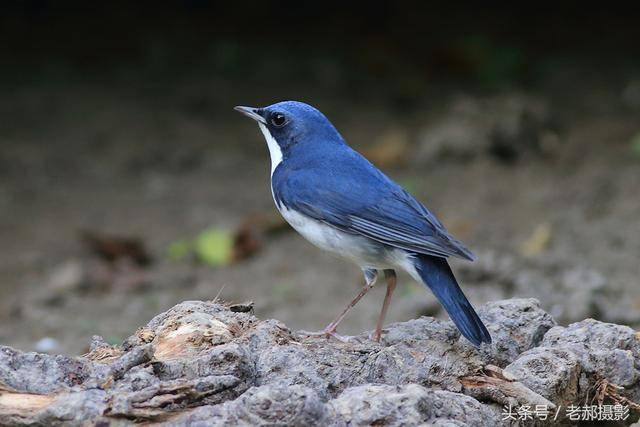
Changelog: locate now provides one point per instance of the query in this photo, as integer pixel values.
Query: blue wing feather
(347, 192)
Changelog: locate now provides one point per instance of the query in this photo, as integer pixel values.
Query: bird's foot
(375, 336)
(328, 333)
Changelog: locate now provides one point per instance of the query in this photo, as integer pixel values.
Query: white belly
(363, 251)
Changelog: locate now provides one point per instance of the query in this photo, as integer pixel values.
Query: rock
(604, 351)
(550, 372)
(423, 351)
(201, 363)
(273, 404)
(364, 405)
(156, 400)
(516, 325)
(406, 405)
(382, 405)
(44, 374)
(291, 364)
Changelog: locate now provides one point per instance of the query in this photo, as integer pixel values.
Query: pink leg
(333, 325)
(330, 329)
(390, 275)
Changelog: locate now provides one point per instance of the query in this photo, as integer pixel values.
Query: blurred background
(128, 184)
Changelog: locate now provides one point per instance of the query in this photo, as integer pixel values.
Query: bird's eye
(278, 120)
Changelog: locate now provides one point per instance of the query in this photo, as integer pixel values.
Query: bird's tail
(437, 275)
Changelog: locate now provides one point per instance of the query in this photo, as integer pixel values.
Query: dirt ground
(118, 158)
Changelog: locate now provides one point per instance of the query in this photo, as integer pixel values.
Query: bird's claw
(375, 336)
(328, 333)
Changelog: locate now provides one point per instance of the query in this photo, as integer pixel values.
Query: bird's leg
(370, 276)
(391, 279)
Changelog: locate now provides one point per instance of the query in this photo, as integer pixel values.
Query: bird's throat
(274, 149)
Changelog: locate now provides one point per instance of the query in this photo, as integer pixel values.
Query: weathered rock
(42, 373)
(156, 400)
(278, 403)
(406, 405)
(516, 325)
(423, 351)
(604, 351)
(550, 372)
(201, 363)
(292, 364)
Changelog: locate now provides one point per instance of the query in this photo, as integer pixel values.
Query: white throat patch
(274, 149)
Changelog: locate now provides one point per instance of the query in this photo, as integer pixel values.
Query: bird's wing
(361, 200)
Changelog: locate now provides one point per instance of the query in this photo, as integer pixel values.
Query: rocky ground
(204, 363)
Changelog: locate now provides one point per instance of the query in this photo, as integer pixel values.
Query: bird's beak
(251, 112)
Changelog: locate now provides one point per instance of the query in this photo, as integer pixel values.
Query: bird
(340, 202)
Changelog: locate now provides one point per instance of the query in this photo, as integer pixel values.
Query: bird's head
(291, 124)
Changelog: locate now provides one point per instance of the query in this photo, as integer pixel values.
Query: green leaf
(214, 246)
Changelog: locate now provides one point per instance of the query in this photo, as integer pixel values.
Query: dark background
(518, 126)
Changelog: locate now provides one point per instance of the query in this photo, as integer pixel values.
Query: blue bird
(342, 203)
